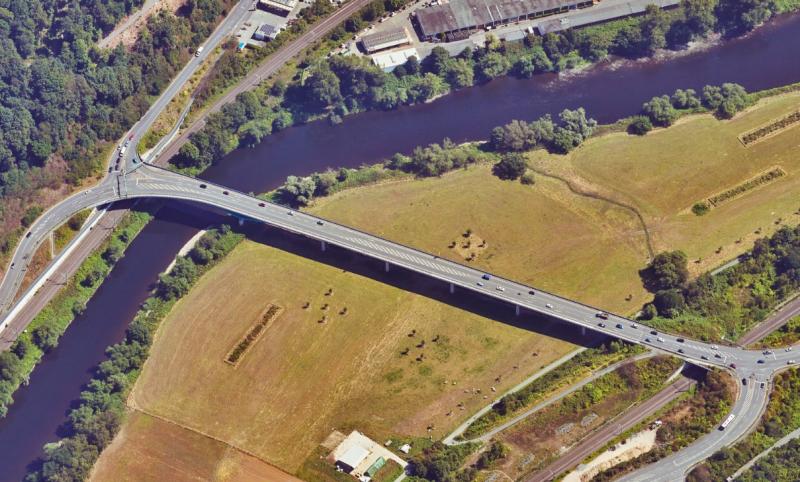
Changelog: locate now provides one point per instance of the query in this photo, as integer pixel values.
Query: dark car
(744, 381)
(619, 325)
(531, 292)
(680, 350)
(261, 205)
(203, 186)
(225, 192)
(653, 332)
(320, 223)
(733, 365)
(601, 325)
(28, 235)
(486, 277)
(760, 361)
(680, 340)
(602, 315)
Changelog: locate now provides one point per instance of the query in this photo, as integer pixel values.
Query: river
(608, 92)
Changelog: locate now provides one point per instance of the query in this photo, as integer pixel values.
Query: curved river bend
(767, 58)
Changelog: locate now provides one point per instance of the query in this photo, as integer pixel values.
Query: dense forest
(62, 98)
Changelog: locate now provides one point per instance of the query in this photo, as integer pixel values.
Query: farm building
(384, 40)
(453, 19)
(361, 457)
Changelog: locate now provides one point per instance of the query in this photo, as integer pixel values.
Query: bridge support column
(583, 331)
(241, 221)
(322, 245)
(516, 310)
(386, 266)
(452, 288)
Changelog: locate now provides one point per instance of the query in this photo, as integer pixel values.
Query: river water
(768, 58)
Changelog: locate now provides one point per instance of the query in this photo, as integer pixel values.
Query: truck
(727, 421)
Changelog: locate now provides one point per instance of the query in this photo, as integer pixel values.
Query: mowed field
(303, 378)
(665, 172)
(150, 449)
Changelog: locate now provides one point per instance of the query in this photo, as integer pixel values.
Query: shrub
(510, 167)
(700, 208)
(528, 179)
(640, 125)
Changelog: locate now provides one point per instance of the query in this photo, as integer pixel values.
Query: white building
(391, 59)
(284, 7)
(361, 457)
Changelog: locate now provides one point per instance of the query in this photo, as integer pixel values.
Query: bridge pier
(241, 221)
(323, 246)
(452, 288)
(583, 331)
(386, 266)
(516, 310)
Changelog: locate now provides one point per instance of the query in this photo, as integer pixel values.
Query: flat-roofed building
(266, 32)
(386, 39)
(601, 14)
(454, 18)
(387, 61)
(284, 7)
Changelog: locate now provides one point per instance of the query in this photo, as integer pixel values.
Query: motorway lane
(269, 67)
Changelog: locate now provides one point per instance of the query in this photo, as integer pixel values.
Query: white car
(660, 339)
(549, 306)
(500, 288)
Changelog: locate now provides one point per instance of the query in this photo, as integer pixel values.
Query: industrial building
(601, 14)
(457, 18)
(361, 457)
(281, 7)
(266, 32)
(387, 61)
(386, 39)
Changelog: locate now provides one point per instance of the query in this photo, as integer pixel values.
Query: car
(733, 365)
(703, 357)
(602, 315)
(790, 362)
(661, 340)
(680, 350)
(203, 186)
(28, 235)
(653, 332)
(480, 284)
(198, 52)
(768, 352)
(549, 306)
(634, 326)
(717, 355)
(261, 205)
(680, 340)
(499, 288)
(744, 381)
(788, 348)
(320, 223)
(12, 265)
(486, 277)
(225, 192)
(531, 292)
(762, 384)
(714, 347)
(760, 361)
(647, 340)
(619, 326)
(290, 213)
(601, 325)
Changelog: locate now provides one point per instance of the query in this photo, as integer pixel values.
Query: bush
(660, 111)
(701, 208)
(640, 125)
(667, 270)
(511, 166)
(528, 179)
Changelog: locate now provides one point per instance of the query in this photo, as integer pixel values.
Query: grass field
(303, 378)
(664, 173)
(149, 449)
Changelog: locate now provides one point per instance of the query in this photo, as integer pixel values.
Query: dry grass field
(665, 172)
(303, 378)
(151, 450)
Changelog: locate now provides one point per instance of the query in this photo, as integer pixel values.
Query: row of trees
(92, 425)
(725, 101)
(735, 298)
(572, 128)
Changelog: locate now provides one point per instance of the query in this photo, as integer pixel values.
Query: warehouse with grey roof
(451, 20)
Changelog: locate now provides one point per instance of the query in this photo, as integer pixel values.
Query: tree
(511, 166)
(740, 16)
(685, 99)
(323, 88)
(699, 16)
(459, 74)
(640, 125)
(668, 270)
(669, 302)
(299, 190)
(492, 65)
(574, 129)
(660, 111)
(654, 27)
(725, 100)
(45, 337)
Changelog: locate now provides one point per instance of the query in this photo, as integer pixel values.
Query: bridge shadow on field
(410, 281)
